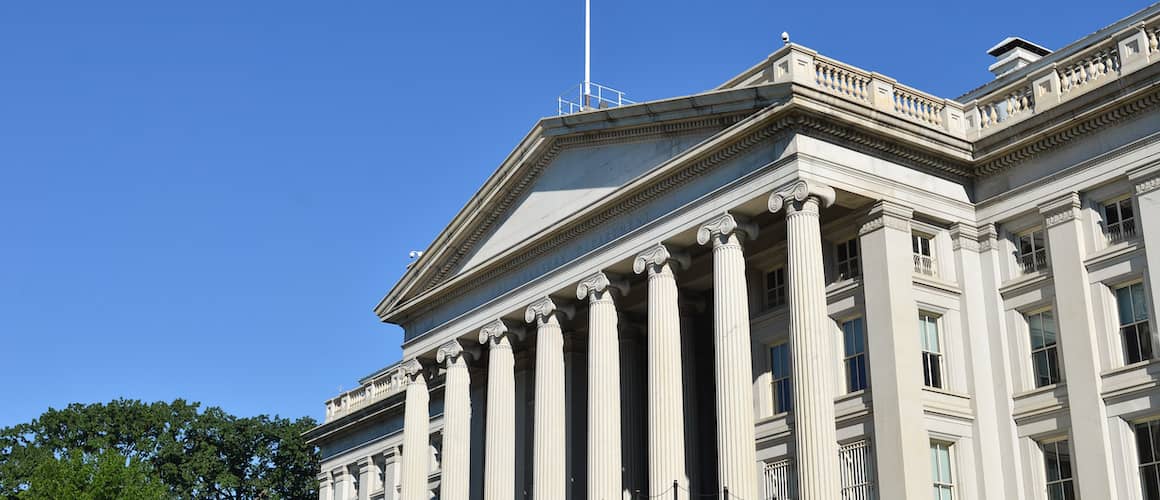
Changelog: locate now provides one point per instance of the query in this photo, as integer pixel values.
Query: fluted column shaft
(666, 406)
(499, 442)
(604, 481)
(549, 480)
(810, 340)
(416, 435)
(455, 481)
(733, 358)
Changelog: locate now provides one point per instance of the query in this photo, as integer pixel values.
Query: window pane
(1124, 303)
(1138, 304)
(1048, 328)
(1144, 443)
(1111, 214)
(1039, 361)
(1126, 209)
(1035, 326)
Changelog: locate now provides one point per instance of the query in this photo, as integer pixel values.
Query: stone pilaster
(364, 478)
(324, 486)
(416, 433)
(455, 481)
(901, 446)
(811, 332)
(1146, 187)
(549, 459)
(666, 408)
(604, 469)
(1078, 346)
(733, 355)
(500, 455)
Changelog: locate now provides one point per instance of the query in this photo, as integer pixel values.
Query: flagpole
(587, 50)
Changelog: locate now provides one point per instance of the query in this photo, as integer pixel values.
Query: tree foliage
(189, 452)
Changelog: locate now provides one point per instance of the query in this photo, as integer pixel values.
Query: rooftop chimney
(1014, 53)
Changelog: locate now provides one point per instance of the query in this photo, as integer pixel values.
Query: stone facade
(810, 282)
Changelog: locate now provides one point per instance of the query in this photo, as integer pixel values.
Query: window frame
(1062, 482)
(938, 484)
(851, 266)
(1050, 352)
(924, 264)
(1140, 328)
(1122, 231)
(856, 360)
(1153, 428)
(781, 387)
(782, 289)
(934, 379)
(1040, 259)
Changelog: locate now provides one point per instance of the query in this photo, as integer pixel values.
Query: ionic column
(733, 357)
(810, 332)
(416, 433)
(500, 439)
(604, 481)
(666, 406)
(455, 482)
(549, 459)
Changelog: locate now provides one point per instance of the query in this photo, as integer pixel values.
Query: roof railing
(598, 97)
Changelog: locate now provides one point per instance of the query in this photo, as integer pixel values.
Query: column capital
(886, 213)
(544, 308)
(1060, 209)
(452, 350)
(1145, 179)
(964, 236)
(594, 286)
(657, 256)
(413, 371)
(498, 329)
(799, 191)
(725, 225)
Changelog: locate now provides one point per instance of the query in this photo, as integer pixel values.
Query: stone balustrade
(1037, 91)
(382, 386)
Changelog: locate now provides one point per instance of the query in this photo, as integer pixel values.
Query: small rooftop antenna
(785, 37)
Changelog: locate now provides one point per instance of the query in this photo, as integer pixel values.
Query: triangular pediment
(554, 173)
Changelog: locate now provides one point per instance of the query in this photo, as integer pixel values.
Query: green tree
(193, 453)
(105, 476)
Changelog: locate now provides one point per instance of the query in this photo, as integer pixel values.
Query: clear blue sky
(206, 199)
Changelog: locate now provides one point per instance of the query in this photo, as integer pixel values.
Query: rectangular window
(923, 254)
(932, 375)
(779, 367)
(1119, 220)
(1133, 312)
(857, 462)
(854, 340)
(780, 479)
(1057, 469)
(1148, 449)
(1044, 350)
(849, 264)
(1032, 251)
(775, 288)
(940, 471)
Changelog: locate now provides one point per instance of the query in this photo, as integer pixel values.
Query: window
(775, 288)
(1133, 311)
(780, 479)
(1057, 468)
(931, 350)
(1148, 449)
(923, 255)
(1032, 251)
(940, 471)
(1119, 220)
(856, 460)
(849, 264)
(779, 365)
(1044, 351)
(854, 340)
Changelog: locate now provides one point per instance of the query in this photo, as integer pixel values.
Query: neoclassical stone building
(812, 282)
